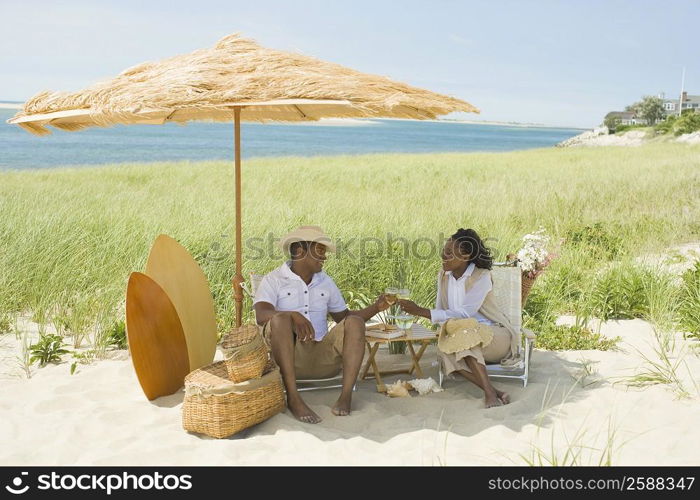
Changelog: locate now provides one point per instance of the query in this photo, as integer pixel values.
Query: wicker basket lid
(212, 380)
(240, 336)
(241, 342)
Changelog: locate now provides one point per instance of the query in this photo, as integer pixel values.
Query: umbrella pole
(238, 277)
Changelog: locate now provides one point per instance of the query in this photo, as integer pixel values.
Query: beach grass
(585, 448)
(71, 236)
(689, 303)
(667, 366)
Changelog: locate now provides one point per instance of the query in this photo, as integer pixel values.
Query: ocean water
(213, 141)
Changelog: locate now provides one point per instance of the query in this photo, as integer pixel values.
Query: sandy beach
(99, 416)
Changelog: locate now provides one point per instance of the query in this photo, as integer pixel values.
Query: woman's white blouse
(461, 303)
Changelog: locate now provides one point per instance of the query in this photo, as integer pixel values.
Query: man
(292, 304)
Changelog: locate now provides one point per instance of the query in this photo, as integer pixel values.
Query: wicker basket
(217, 407)
(245, 353)
(527, 283)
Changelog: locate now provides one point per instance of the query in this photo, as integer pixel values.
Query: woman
(464, 291)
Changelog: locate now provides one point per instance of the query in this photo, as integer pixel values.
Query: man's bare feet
(302, 412)
(341, 407)
(491, 401)
(503, 396)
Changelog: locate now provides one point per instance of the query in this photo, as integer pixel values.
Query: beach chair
(507, 292)
(302, 384)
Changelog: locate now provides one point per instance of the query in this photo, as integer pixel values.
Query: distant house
(689, 102)
(626, 117)
(670, 108)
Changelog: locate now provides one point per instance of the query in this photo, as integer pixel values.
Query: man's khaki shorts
(316, 360)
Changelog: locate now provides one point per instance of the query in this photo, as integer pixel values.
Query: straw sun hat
(460, 334)
(307, 233)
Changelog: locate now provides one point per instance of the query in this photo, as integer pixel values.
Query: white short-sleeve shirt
(461, 303)
(286, 291)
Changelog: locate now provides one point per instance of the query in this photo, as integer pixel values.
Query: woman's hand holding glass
(410, 307)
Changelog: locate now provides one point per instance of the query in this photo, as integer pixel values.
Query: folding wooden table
(417, 333)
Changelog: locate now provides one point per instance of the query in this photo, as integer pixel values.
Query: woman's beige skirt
(494, 352)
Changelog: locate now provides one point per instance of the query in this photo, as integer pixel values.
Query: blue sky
(553, 62)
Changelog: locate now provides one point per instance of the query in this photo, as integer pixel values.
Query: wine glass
(404, 321)
(391, 296)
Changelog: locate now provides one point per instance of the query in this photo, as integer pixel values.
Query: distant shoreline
(495, 123)
(516, 124)
(11, 105)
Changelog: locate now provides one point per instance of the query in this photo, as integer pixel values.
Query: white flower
(534, 251)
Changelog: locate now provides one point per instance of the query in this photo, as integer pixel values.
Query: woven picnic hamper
(245, 353)
(219, 408)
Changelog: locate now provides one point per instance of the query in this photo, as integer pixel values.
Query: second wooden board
(176, 271)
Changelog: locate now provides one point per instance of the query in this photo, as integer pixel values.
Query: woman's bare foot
(302, 412)
(503, 396)
(341, 408)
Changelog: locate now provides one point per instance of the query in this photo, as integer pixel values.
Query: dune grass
(71, 236)
(689, 303)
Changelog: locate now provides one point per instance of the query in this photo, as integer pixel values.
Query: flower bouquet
(534, 259)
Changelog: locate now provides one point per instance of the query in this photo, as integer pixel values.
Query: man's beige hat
(461, 334)
(307, 233)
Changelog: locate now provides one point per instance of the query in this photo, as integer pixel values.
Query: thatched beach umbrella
(236, 80)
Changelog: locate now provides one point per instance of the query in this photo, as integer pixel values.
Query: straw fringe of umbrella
(205, 83)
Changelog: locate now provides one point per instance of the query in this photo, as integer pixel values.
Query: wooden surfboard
(176, 271)
(156, 341)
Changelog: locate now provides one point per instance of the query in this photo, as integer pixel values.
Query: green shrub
(48, 349)
(563, 290)
(666, 126)
(627, 290)
(570, 338)
(689, 310)
(619, 293)
(602, 240)
(662, 296)
(687, 124)
(539, 307)
(116, 335)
